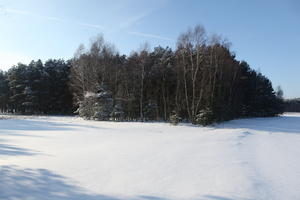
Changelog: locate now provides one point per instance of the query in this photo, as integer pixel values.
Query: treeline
(36, 88)
(292, 105)
(200, 81)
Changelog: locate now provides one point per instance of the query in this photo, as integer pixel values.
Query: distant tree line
(292, 105)
(200, 81)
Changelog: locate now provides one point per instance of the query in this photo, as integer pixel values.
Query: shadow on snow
(9, 150)
(36, 184)
(214, 197)
(9, 127)
(37, 125)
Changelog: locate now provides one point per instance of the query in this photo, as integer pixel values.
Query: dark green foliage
(292, 105)
(104, 104)
(97, 106)
(204, 117)
(37, 88)
(258, 99)
(86, 106)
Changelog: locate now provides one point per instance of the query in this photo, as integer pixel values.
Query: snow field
(69, 158)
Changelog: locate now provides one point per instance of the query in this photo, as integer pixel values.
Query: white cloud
(92, 25)
(132, 20)
(150, 35)
(50, 18)
(126, 24)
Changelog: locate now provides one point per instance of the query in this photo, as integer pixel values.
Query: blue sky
(265, 33)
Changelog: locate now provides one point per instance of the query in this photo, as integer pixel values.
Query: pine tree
(103, 104)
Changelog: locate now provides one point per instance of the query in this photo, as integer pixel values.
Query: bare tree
(90, 68)
(143, 59)
(191, 54)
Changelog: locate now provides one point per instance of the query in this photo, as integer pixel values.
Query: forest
(292, 105)
(200, 81)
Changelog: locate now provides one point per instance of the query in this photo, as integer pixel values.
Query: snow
(90, 94)
(68, 158)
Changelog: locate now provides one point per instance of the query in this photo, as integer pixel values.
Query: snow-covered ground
(67, 158)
